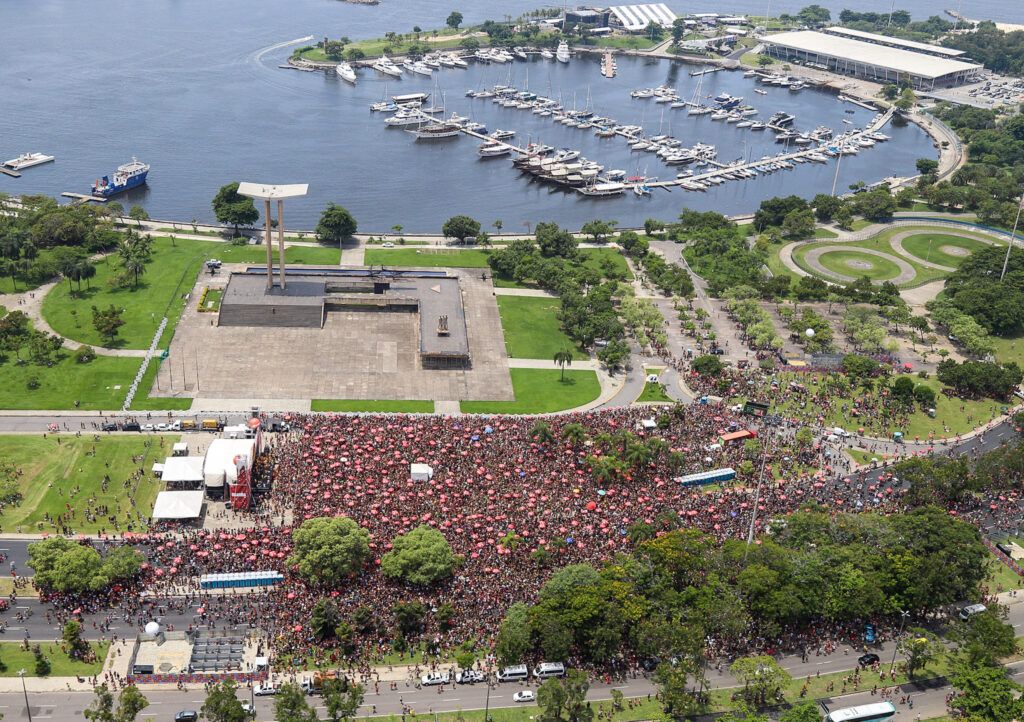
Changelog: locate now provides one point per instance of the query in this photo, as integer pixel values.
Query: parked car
(131, 426)
(387, 244)
(164, 427)
(186, 715)
(248, 709)
(434, 678)
(109, 427)
(526, 695)
(866, 660)
(469, 676)
(262, 690)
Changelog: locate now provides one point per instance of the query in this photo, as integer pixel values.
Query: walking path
(906, 275)
(31, 304)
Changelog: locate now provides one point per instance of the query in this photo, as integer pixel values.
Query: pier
(11, 173)
(83, 197)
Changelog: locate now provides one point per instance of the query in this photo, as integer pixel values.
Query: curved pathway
(906, 275)
(897, 245)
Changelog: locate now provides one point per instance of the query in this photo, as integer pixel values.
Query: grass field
(92, 384)
(825, 233)
(881, 269)
(1000, 577)
(928, 247)
(212, 299)
(532, 330)
(383, 406)
(142, 401)
(654, 392)
(298, 255)
(1010, 348)
(447, 258)
(61, 665)
(51, 469)
(539, 391)
(920, 424)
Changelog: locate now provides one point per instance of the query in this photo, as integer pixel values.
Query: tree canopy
(68, 566)
(329, 549)
(232, 208)
(460, 228)
(335, 224)
(423, 556)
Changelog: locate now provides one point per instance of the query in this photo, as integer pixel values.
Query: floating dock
(11, 173)
(83, 197)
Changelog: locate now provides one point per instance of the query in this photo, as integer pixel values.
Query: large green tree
(423, 556)
(68, 566)
(130, 702)
(986, 693)
(342, 699)
(984, 639)
(290, 705)
(232, 208)
(335, 224)
(460, 228)
(565, 698)
(222, 705)
(329, 549)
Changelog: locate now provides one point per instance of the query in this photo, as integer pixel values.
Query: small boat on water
(436, 131)
(128, 176)
(345, 72)
(760, 92)
(493, 150)
(27, 160)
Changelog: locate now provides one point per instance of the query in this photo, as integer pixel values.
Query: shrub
(85, 354)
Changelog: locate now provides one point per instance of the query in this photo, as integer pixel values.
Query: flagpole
(1013, 236)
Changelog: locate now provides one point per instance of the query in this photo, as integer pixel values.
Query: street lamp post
(903, 620)
(1013, 236)
(28, 709)
(757, 495)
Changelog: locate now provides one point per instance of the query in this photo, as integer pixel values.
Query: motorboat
(493, 150)
(562, 54)
(345, 72)
(436, 131)
(403, 118)
(500, 134)
(27, 160)
(547, 54)
(604, 189)
(386, 66)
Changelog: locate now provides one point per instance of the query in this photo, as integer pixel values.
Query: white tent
(421, 472)
(186, 469)
(219, 466)
(178, 505)
(180, 449)
(158, 469)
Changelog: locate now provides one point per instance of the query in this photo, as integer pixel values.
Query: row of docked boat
(438, 60)
(565, 167)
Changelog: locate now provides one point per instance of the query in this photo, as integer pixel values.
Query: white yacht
(384, 65)
(345, 72)
(547, 54)
(562, 53)
(27, 160)
(493, 150)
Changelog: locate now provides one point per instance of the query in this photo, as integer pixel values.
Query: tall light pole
(1013, 236)
(903, 620)
(28, 709)
(757, 494)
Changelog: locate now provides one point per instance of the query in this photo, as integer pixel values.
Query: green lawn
(1000, 577)
(443, 258)
(654, 392)
(881, 269)
(67, 381)
(540, 391)
(920, 424)
(188, 229)
(1010, 348)
(634, 42)
(825, 233)
(50, 469)
(860, 224)
(211, 301)
(383, 406)
(142, 401)
(928, 247)
(298, 255)
(61, 665)
(532, 329)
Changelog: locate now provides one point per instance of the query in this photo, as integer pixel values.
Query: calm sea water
(193, 88)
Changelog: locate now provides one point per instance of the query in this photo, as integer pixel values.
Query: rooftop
(882, 56)
(638, 17)
(895, 42)
(268, 192)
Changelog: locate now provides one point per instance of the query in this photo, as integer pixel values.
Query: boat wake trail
(258, 55)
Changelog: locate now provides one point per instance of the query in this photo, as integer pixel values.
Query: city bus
(874, 712)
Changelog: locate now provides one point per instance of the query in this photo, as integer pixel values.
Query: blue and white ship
(126, 177)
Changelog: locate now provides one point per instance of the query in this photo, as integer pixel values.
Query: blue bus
(874, 712)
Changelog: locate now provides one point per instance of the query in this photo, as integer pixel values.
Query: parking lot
(991, 91)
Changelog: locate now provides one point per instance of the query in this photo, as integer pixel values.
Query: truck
(212, 425)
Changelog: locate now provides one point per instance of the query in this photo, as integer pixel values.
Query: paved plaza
(356, 355)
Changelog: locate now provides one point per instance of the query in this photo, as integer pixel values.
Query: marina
(318, 122)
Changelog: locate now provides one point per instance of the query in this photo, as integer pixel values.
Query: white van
(832, 439)
(841, 432)
(545, 670)
(970, 610)
(515, 673)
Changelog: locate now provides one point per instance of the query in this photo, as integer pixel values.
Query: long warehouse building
(879, 63)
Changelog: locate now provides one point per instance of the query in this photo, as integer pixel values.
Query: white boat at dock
(436, 131)
(386, 66)
(500, 134)
(493, 149)
(604, 189)
(27, 160)
(562, 53)
(345, 72)
(547, 55)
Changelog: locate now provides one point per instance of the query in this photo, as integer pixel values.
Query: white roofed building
(635, 18)
(871, 61)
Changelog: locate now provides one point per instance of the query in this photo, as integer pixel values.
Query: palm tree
(637, 455)
(86, 270)
(541, 432)
(563, 358)
(574, 433)
(10, 268)
(136, 267)
(69, 269)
